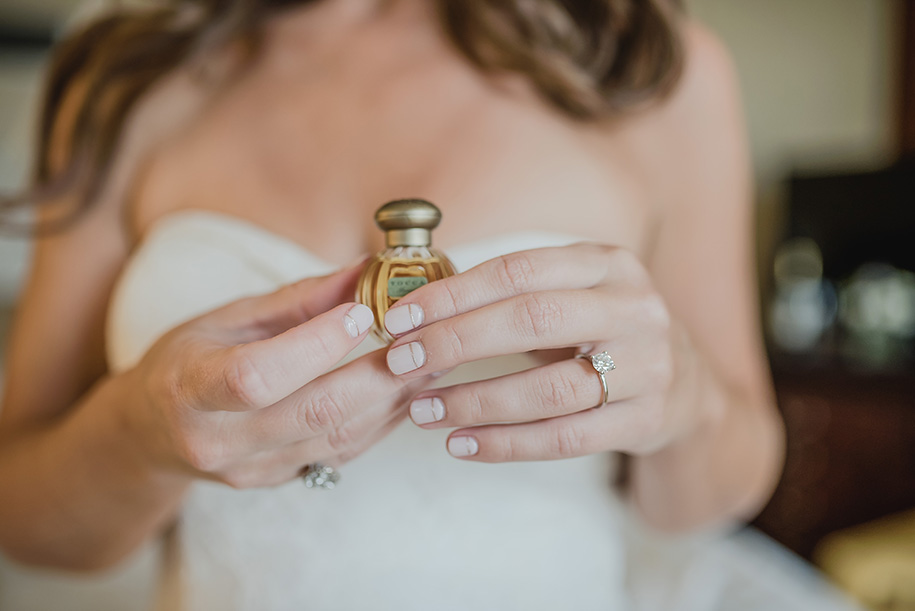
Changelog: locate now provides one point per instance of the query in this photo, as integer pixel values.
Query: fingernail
(424, 411)
(406, 358)
(401, 319)
(358, 320)
(463, 446)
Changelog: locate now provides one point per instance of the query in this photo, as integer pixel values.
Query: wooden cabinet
(850, 451)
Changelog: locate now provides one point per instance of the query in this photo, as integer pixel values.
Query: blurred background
(829, 91)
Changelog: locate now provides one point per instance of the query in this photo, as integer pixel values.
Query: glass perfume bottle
(407, 263)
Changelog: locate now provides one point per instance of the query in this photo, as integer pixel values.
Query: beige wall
(816, 77)
(35, 13)
(817, 80)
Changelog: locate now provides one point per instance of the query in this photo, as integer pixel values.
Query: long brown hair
(588, 58)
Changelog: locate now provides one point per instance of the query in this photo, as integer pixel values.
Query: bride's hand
(243, 395)
(589, 297)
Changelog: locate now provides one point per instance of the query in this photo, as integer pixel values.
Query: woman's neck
(325, 25)
(343, 14)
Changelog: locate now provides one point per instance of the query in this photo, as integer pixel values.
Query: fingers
(368, 441)
(534, 321)
(582, 295)
(263, 372)
(267, 447)
(621, 427)
(561, 388)
(279, 465)
(335, 404)
(579, 266)
(265, 316)
(285, 464)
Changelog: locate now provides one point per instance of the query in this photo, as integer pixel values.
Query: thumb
(269, 315)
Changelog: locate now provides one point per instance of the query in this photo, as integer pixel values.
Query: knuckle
(625, 260)
(612, 256)
(449, 344)
(322, 413)
(516, 272)
(323, 348)
(473, 410)
(568, 442)
(453, 304)
(656, 313)
(607, 250)
(556, 390)
(241, 479)
(509, 452)
(627, 265)
(245, 383)
(176, 382)
(172, 388)
(341, 438)
(203, 456)
(538, 315)
(348, 455)
(292, 294)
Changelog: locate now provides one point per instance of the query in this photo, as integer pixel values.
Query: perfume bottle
(407, 263)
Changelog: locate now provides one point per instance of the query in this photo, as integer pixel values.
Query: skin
(100, 460)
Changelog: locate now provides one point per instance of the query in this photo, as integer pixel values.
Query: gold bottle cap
(408, 222)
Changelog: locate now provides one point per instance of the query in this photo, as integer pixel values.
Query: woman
(189, 353)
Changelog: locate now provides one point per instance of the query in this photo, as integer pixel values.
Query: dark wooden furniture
(850, 430)
(850, 449)
(906, 87)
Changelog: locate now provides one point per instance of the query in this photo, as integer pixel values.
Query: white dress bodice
(409, 527)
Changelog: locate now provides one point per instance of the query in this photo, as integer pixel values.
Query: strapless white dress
(409, 527)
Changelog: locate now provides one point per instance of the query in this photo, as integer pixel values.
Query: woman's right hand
(245, 394)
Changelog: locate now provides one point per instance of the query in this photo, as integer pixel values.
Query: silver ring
(318, 475)
(602, 363)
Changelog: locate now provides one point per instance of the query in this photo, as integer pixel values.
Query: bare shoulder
(696, 136)
(706, 97)
(167, 111)
(160, 113)
(701, 259)
(709, 75)
(99, 238)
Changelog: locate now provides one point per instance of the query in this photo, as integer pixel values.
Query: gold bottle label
(394, 273)
(400, 286)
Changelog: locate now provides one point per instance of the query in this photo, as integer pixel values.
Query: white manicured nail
(424, 411)
(408, 357)
(358, 320)
(463, 446)
(401, 319)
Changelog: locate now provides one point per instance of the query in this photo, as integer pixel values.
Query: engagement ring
(602, 363)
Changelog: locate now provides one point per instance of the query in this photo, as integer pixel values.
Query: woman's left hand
(589, 297)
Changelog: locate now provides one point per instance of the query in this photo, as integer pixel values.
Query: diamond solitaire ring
(602, 363)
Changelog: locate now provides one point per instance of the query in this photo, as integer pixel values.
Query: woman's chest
(312, 163)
